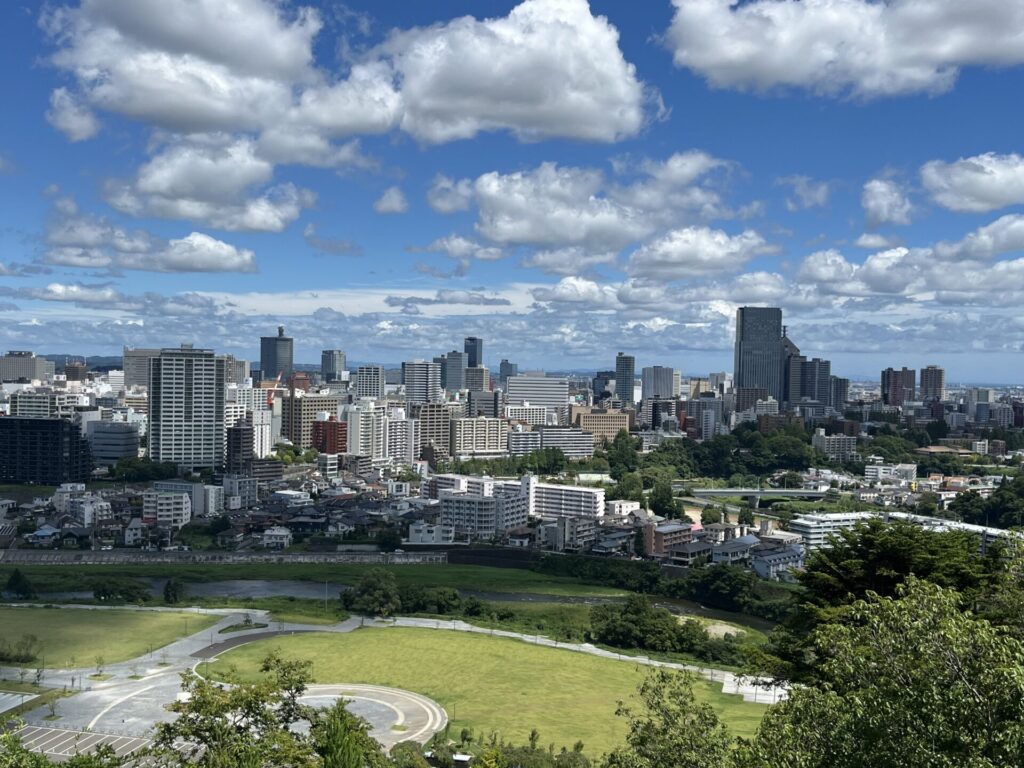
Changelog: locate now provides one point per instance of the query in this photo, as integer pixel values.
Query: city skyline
(351, 185)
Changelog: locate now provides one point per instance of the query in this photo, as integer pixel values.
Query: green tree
(623, 455)
(670, 729)
(745, 516)
(375, 594)
(911, 681)
(662, 501)
(629, 487)
(408, 754)
(710, 514)
(174, 590)
(19, 585)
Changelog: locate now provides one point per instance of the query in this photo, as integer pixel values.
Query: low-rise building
(836, 447)
(166, 509)
(276, 537)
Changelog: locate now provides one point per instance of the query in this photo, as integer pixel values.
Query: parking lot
(60, 742)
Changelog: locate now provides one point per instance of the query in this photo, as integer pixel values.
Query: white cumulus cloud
(976, 184)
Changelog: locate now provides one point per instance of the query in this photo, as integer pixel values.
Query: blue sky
(565, 180)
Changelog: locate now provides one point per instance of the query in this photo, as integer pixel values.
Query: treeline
(144, 470)
(725, 587)
(1003, 509)
(637, 624)
(546, 461)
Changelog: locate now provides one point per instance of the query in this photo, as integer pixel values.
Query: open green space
(59, 578)
(485, 683)
(73, 637)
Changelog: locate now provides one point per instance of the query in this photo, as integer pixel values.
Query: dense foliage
(144, 470)
(1003, 509)
(637, 623)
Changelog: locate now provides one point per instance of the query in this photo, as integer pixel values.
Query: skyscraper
(759, 354)
(898, 387)
(505, 370)
(422, 382)
(453, 370)
(815, 380)
(933, 383)
(332, 363)
(625, 378)
(657, 381)
(276, 355)
(474, 348)
(135, 363)
(839, 392)
(186, 408)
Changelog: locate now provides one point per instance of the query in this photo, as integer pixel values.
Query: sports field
(485, 683)
(73, 637)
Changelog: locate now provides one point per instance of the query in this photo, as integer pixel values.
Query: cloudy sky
(563, 179)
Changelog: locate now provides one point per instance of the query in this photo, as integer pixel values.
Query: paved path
(135, 697)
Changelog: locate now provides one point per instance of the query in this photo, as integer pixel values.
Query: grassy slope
(74, 637)
(486, 683)
(64, 578)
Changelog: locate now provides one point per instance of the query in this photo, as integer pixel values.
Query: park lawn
(485, 683)
(74, 637)
(50, 578)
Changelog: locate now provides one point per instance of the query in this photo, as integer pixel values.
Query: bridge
(756, 494)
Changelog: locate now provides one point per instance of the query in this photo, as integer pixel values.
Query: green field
(74, 637)
(51, 578)
(485, 683)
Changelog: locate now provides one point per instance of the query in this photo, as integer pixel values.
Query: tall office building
(657, 382)
(759, 354)
(44, 451)
(453, 370)
(839, 392)
(507, 369)
(422, 382)
(370, 381)
(474, 348)
(898, 387)
(186, 408)
(332, 363)
(240, 448)
(536, 389)
(625, 378)
(135, 363)
(276, 356)
(477, 378)
(933, 383)
(603, 384)
(24, 365)
(816, 380)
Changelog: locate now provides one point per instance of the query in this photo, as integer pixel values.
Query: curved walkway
(136, 695)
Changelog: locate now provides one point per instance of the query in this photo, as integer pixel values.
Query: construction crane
(273, 390)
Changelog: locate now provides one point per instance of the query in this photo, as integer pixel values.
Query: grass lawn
(486, 683)
(475, 577)
(73, 637)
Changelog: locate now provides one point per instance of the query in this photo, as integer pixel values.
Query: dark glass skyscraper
(625, 378)
(332, 363)
(759, 359)
(474, 349)
(276, 355)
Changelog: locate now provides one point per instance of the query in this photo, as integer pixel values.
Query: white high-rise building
(370, 382)
(402, 437)
(186, 408)
(422, 381)
(367, 430)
